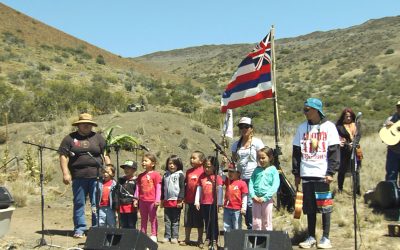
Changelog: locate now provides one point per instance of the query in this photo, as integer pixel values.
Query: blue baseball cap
(315, 103)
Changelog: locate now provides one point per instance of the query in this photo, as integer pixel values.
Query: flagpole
(286, 194)
(275, 100)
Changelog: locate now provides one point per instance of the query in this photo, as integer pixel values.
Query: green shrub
(184, 144)
(389, 51)
(198, 128)
(43, 67)
(100, 60)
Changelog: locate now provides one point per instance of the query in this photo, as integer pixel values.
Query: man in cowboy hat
(315, 159)
(81, 155)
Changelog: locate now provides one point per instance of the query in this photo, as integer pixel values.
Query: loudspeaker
(257, 239)
(102, 238)
(386, 195)
(6, 199)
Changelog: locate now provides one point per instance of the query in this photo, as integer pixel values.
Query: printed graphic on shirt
(147, 184)
(313, 145)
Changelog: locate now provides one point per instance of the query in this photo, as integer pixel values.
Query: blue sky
(136, 27)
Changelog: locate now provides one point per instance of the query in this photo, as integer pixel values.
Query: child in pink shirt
(148, 191)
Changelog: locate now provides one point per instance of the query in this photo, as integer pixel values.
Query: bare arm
(64, 168)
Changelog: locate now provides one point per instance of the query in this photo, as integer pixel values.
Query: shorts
(317, 198)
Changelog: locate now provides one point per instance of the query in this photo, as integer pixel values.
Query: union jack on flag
(252, 80)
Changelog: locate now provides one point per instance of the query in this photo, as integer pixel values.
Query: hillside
(357, 67)
(46, 73)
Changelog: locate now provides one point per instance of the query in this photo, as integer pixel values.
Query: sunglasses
(244, 126)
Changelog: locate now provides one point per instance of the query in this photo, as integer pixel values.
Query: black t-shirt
(81, 165)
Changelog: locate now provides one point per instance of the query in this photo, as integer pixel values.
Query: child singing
(107, 197)
(127, 187)
(209, 187)
(148, 191)
(264, 183)
(235, 199)
(172, 194)
(193, 218)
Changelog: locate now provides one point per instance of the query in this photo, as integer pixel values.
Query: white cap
(245, 120)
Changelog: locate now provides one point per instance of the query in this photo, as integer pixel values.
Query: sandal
(184, 243)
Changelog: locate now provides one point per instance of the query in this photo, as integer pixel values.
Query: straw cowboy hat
(85, 118)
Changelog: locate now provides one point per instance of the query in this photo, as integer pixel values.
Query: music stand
(42, 241)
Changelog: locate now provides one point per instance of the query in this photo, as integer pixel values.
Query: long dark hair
(214, 162)
(341, 118)
(176, 160)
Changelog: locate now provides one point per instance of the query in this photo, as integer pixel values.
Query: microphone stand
(41, 241)
(217, 149)
(99, 165)
(117, 148)
(354, 170)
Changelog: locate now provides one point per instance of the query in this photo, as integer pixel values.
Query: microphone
(143, 147)
(217, 146)
(358, 116)
(70, 153)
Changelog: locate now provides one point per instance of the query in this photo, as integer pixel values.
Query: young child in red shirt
(235, 203)
(107, 197)
(148, 190)
(193, 218)
(208, 187)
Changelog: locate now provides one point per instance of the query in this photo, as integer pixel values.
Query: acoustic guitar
(390, 135)
(298, 205)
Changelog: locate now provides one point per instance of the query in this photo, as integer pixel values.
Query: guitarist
(393, 152)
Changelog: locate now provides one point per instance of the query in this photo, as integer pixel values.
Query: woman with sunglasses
(315, 159)
(244, 153)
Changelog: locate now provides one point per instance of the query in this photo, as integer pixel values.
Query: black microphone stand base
(42, 242)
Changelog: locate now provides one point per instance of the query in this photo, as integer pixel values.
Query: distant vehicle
(136, 107)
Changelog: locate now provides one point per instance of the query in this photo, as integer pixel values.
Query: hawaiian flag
(252, 80)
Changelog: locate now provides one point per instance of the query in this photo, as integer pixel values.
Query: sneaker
(324, 243)
(308, 243)
(165, 240)
(78, 235)
(153, 238)
(174, 241)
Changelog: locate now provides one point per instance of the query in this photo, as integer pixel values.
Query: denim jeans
(106, 217)
(248, 217)
(172, 217)
(128, 220)
(232, 219)
(392, 166)
(81, 188)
